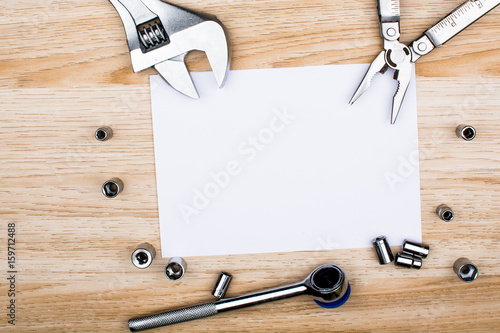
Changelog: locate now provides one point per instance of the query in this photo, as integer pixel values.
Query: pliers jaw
(160, 35)
(395, 55)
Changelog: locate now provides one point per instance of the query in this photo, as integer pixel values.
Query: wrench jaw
(175, 72)
(208, 37)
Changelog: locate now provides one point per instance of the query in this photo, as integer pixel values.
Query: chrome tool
(222, 285)
(415, 249)
(466, 132)
(401, 57)
(161, 35)
(176, 268)
(103, 133)
(408, 260)
(326, 282)
(445, 213)
(465, 270)
(384, 252)
(143, 256)
(112, 188)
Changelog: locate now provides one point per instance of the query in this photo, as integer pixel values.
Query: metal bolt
(222, 285)
(112, 188)
(384, 252)
(466, 132)
(103, 133)
(445, 213)
(465, 270)
(143, 256)
(407, 260)
(422, 47)
(415, 249)
(176, 268)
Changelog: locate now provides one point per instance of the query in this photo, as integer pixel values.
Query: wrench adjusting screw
(103, 133)
(112, 188)
(466, 132)
(444, 212)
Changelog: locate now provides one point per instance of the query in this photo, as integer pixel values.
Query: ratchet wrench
(326, 282)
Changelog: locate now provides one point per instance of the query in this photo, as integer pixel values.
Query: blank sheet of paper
(277, 161)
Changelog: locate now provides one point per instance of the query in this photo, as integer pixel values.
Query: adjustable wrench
(160, 35)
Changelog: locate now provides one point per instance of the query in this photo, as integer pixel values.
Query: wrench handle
(172, 317)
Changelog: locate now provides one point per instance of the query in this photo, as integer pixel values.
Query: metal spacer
(465, 270)
(112, 188)
(466, 132)
(103, 133)
(445, 213)
(175, 268)
(143, 256)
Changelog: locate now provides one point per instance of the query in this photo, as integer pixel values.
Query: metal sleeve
(172, 317)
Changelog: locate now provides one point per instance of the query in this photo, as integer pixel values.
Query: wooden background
(65, 70)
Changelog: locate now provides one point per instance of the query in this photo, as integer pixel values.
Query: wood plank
(65, 70)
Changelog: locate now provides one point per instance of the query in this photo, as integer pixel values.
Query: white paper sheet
(277, 161)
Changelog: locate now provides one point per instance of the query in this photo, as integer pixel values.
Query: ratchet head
(160, 35)
(327, 282)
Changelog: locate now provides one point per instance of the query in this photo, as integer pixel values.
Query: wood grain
(65, 70)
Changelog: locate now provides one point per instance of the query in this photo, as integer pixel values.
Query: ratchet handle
(172, 317)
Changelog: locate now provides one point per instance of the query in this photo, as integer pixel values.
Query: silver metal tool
(160, 34)
(143, 256)
(384, 252)
(326, 282)
(466, 132)
(415, 249)
(445, 213)
(103, 133)
(407, 260)
(176, 268)
(222, 285)
(401, 57)
(112, 188)
(465, 270)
